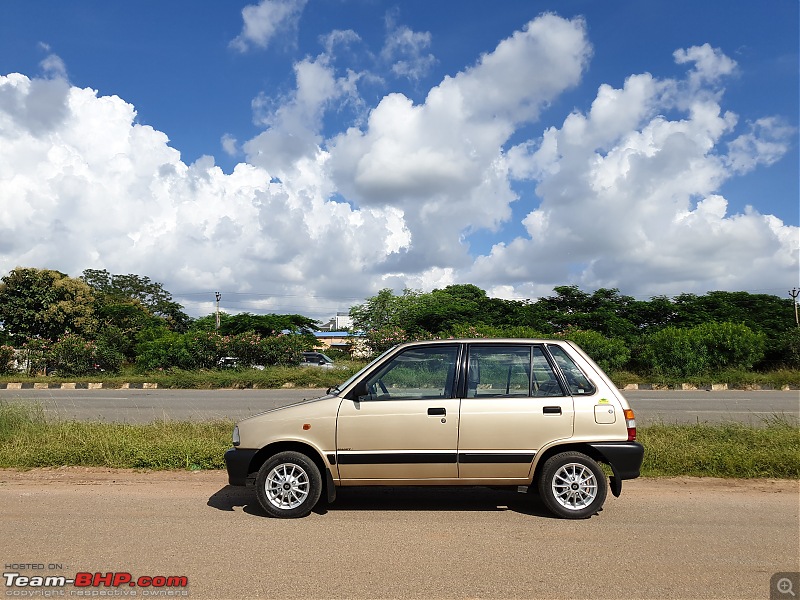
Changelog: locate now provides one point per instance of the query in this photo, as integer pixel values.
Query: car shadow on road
(233, 496)
(412, 499)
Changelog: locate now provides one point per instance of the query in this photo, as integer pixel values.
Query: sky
(298, 156)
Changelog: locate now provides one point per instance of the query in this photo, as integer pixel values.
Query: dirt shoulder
(100, 475)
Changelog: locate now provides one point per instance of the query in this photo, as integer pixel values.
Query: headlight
(236, 439)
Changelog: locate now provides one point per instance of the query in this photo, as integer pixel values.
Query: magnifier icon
(784, 586)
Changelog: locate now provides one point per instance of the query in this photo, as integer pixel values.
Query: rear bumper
(625, 458)
(237, 462)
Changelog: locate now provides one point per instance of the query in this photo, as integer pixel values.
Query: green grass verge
(722, 450)
(735, 379)
(29, 440)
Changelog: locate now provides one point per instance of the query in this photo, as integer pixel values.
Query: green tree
(381, 310)
(46, 304)
(130, 301)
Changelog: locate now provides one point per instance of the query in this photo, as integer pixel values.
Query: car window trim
(354, 395)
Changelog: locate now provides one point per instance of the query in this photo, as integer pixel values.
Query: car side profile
(509, 412)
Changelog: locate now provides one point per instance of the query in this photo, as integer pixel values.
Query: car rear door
(513, 402)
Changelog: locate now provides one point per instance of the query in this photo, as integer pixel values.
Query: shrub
(248, 348)
(206, 348)
(283, 350)
(72, 355)
(108, 358)
(381, 339)
(34, 353)
(674, 352)
(611, 354)
(6, 360)
(785, 350)
(164, 352)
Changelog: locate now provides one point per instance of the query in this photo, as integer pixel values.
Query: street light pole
(794, 293)
(219, 297)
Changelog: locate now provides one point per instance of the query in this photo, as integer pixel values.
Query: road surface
(754, 407)
(663, 538)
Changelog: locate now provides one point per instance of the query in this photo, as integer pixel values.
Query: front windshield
(338, 388)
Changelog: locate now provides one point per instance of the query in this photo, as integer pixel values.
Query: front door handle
(551, 410)
(437, 412)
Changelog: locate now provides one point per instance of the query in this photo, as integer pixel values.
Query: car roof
(485, 341)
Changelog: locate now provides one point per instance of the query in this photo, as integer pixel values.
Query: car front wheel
(288, 485)
(572, 485)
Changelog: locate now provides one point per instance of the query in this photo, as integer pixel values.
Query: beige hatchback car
(510, 412)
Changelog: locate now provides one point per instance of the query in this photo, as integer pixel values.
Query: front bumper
(237, 462)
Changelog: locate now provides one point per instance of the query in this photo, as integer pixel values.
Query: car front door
(513, 404)
(402, 424)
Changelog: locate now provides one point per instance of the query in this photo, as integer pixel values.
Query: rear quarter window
(578, 383)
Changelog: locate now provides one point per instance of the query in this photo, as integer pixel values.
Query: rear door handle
(437, 412)
(551, 410)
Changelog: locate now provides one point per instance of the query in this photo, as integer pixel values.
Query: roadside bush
(6, 360)
(488, 331)
(164, 352)
(785, 350)
(674, 352)
(71, 355)
(730, 345)
(381, 339)
(611, 354)
(34, 354)
(206, 348)
(248, 348)
(284, 350)
(108, 358)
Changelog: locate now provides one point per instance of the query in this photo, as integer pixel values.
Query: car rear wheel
(288, 485)
(572, 485)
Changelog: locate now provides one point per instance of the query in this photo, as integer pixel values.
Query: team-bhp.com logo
(156, 585)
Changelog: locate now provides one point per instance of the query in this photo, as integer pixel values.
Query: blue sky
(335, 174)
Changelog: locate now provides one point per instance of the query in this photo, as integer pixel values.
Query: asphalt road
(663, 538)
(132, 406)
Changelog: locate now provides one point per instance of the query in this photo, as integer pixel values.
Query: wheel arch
(308, 450)
(582, 447)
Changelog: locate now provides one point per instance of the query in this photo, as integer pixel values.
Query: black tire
(572, 485)
(288, 485)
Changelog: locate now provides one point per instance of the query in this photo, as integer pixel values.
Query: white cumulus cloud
(627, 191)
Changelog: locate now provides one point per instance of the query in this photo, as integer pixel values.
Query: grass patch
(722, 450)
(736, 379)
(28, 439)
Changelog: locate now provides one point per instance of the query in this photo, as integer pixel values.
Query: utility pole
(219, 297)
(794, 293)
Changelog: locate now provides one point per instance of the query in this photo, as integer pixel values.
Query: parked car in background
(316, 359)
(511, 412)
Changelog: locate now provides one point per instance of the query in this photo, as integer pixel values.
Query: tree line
(50, 322)
(682, 336)
(103, 321)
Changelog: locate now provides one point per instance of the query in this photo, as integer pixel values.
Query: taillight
(630, 423)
